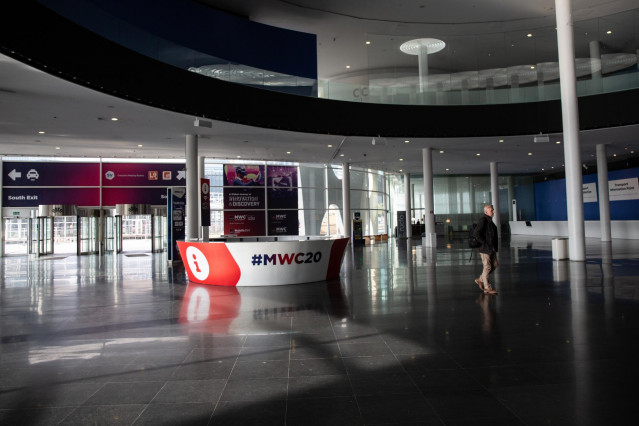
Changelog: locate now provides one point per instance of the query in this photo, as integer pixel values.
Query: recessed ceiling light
(114, 118)
(330, 146)
(441, 151)
(406, 141)
(608, 32)
(368, 42)
(530, 153)
(239, 156)
(57, 147)
(558, 142)
(140, 145)
(447, 169)
(341, 155)
(348, 66)
(288, 152)
(41, 132)
(614, 155)
(478, 154)
(529, 35)
(401, 170)
(401, 159)
(542, 169)
(532, 67)
(501, 141)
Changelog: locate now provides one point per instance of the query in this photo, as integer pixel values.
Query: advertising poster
(283, 222)
(282, 187)
(623, 189)
(244, 198)
(205, 201)
(244, 224)
(150, 174)
(176, 208)
(243, 175)
(32, 197)
(50, 174)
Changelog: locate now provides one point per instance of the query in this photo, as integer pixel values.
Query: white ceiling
(78, 120)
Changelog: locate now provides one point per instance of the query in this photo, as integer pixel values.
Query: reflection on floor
(403, 337)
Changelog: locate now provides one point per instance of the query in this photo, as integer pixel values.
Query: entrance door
(41, 235)
(16, 236)
(65, 234)
(88, 235)
(113, 234)
(159, 240)
(136, 232)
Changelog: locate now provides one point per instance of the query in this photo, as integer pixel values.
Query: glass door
(88, 235)
(158, 229)
(16, 236)
(41, 235)
(113, 234)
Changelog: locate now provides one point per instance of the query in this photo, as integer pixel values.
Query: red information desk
(262, 263)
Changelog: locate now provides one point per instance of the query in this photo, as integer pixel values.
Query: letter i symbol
(197, 267)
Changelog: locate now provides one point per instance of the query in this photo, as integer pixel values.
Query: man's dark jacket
(486, 234)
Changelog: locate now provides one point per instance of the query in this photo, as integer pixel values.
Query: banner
(243, 175)
(50, 174)
(244, 198)
(589, 191)
(32, 197)
(244, 223)
(176, 210)
(143, 174)
(283, 222)
(205, 201)
(623, 189)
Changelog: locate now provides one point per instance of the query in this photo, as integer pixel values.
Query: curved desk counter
(262, 263)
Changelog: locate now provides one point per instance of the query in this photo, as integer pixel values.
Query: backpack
(472, 241)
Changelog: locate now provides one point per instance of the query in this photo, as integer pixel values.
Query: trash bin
(559, 248)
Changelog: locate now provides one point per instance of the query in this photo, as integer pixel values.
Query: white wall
(623, 229)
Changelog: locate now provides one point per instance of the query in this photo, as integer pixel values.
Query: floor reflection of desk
(262, 263)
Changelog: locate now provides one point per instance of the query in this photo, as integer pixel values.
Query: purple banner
(153, 196)
(244, 224)
(32, 197)
(282, 176)
(50, 174)
(134, 174)
(243, 175)
(283, 222)
(244, 198)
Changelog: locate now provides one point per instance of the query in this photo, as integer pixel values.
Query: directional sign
(13, 174)
(181, 174)
(143, 174)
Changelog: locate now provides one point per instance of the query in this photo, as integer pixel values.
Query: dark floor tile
(125, 393)
(202, 370)
(222, 353)
(176, 414)
(427, 362)
(255, 389)
(103, 415)
(316, 367)
(383, 364)
(257, 413)
(364, 349)
(268, 340)
(315, 350)
(323, 411)
(319, 386)
(63, 395)
(34, 416)
(259, 370)
(264, 353)
(396, 409)
(190, 391)
(383, 384)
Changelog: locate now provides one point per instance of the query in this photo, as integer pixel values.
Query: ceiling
(76, 121)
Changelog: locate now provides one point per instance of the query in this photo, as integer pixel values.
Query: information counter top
(262, 263)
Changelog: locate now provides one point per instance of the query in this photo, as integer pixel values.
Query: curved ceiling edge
(65, 49)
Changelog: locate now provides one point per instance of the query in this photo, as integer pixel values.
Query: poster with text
(282, 187)
(143, 174)
(283, 222)
(244, 224)
(28, 173)
(244, 198)
(243, 175)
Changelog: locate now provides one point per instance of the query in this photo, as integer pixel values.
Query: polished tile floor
(403, 337)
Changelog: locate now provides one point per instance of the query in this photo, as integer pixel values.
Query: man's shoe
(480, 284)
(491, 291)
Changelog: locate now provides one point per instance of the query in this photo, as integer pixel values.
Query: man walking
(486, 234)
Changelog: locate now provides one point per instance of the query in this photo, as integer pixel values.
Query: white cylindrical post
(409, 216)
(430, 236)
(192, 186)
(604, 198)
(570, 121)
(422, 59)
(346, 199)
(595, 59)
(494, 189)
(201, 175)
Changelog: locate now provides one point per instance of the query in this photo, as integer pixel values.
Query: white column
(430, 236)
(494, 189)
(346, 199)
(511, 196)
(409, 223)
(595, 57)
(570, 121)
(192, 186)
(200, 173)
(422, 59)
(604, 199)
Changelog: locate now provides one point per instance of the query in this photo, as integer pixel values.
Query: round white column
(494, 189)
(192, 186)
(409, 223)
(346, 199)
(430, 236)
(570, 121)
(604, 198)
